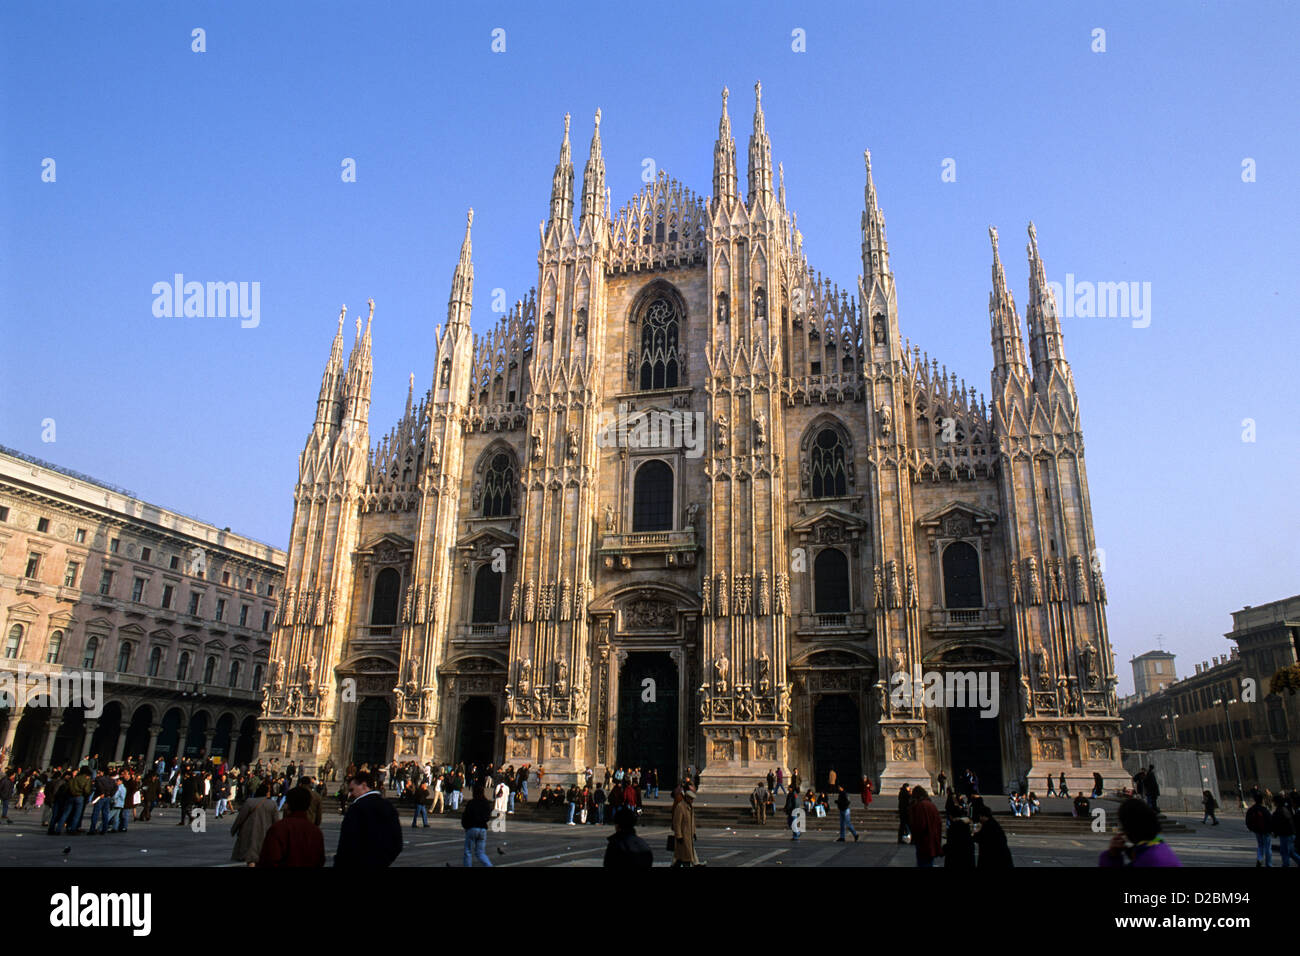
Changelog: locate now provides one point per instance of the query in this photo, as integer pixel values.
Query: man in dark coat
(626, 850)
(371, 834)
(927, 828)
(992, 841)
(294, 840)
(1152, 788)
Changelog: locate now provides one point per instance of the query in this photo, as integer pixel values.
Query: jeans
(223, 806)
(476, 846)
(572, 807)
(116, 819)
(455, 799)
(523, 789)
(510, 803)
(99, 813)
(600, 813)
(1288, 850)
(421, 813)
(1209, 815)
(1264, 848)
(4, 809)
(71, 815)
(846, 822)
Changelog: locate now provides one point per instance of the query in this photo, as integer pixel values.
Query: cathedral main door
(837, 742)
(477, 732)
(370, 744)
(974, 745)
(647, 715)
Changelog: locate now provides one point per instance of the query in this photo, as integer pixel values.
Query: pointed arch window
(660, 362)
(828, 464)
(498, 487)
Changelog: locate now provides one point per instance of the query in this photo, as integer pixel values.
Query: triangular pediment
(131, 630)
(390, 540)
(486, 539)
(23, 610)
(829, 516)
(958, 516)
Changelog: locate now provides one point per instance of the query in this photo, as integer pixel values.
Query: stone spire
(462, 280)
(1046, 347)
(562, 186)
(356, 388)
(1004, 323)
(725, 190)
(331, 383)
(760, 155)
(593, 183)
(875, 248)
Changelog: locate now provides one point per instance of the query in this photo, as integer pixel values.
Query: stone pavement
(163, 843)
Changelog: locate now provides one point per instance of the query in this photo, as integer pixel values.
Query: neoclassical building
(173, 613)
(691, 504)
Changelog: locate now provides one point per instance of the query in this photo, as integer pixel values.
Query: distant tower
(1152, 672)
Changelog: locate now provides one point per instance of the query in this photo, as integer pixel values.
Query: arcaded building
(692, 504)
(173, 615)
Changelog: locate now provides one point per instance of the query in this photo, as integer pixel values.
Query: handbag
(671, 846)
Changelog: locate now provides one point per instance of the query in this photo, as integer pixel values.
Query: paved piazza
(162, 843)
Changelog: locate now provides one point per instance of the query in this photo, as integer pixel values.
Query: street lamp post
(1173, 724)
(1232, 741)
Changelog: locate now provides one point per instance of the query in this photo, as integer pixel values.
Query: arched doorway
(837, 741)
(196, 739)
(71, 734)
(647, 715)
(221, 739)
(137, 734)
(974, 745)
(477, 737)
(169, 736)
(247, 741)
(370, 743)
(30, 736)
(103, 741)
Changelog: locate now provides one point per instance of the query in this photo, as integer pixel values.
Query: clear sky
(225, 165)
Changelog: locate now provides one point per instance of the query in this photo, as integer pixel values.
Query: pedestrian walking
(1210, 805)
(758, 803)
(478, 812)
(904, 806)
(254, 820)
(927, 828)
(844, 805)
(625, 850)
(992, 841)
(371, 834)
(295, 840)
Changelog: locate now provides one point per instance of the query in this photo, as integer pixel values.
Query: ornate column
(52, 730)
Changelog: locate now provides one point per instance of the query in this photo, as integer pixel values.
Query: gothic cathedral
(690, 505)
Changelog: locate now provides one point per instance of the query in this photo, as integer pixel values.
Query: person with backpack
(1260, 823)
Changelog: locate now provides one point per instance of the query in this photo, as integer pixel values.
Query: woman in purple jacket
(1140, 825)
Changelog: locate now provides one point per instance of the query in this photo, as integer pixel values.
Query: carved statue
(1035, 586)
(760, 429)
(895, 591)
(879, 587)
(899, 660)
(198, 563)
(763, 596)
(886, 420)
(476, 495)
(783, 705)
(1039, 654)
(561, 679)
(692, 514)
(510, 702)
(310, 670)
(911, 586)
(631, 366)
(1080, 580)
(782, 593)
(580, 703)
(537, 441)
(514, 600)
(1099, 585)
(724, 432)
(529, 597)
(1088, 657)
(525, 677)
(571, 442)
(435, 451)
(609, 518)
(565, 599)
(705, 595)
(721, 670)
(277, 673)
(764, 674)
(1015, 583)
(722, 594)
(804, 476)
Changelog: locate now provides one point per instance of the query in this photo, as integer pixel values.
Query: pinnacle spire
(1004, 322)
(724, 158)
(562, 185)
(875, 247)
(462, 279)
(759, 180)
(593, 182)
(1046, 344)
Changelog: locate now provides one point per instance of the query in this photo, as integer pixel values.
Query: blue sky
(225, 165)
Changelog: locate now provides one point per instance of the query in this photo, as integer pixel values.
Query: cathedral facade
(689, 504)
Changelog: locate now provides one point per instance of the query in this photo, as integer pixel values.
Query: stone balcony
(482, 633)
(843, 624)
(957, 621)
(670, 549)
